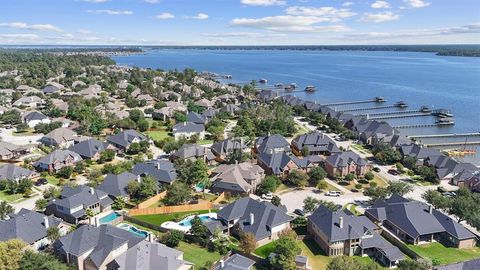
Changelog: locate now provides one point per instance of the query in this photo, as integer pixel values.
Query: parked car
(299, 212)
(376, 169)
(41, 181)
(267, 196)
(393, 172)
(333, 193)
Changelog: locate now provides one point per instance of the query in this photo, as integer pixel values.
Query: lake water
(418, 79)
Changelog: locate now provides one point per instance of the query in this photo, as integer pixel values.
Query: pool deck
(171, 225)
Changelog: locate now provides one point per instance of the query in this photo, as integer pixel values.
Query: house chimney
(340, 222)
(184, 123)
(45, 222)
(150, 238)
(252, 218)
(222, 264)
(430, 209)
(139, 179)
(96, 222)
(158, 165)
(92, 190)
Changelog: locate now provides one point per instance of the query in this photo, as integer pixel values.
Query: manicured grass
(300, 130)
(265, 250)
(159, 219)
(9, 197)
(197, 255)
(445, 255)
(158, 135)
(353, 208)
(203, 142)
(380, 182)
(361, 148)
(316, 258)
(52, 180)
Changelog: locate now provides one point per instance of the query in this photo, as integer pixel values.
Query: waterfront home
(115, 185)
(31, 102)
(267, 96)
(414, 223)
(341, 164)
(235, 262)
(57, 160)
(30, 227)
(187, 130)
(316, 143)
(110, 248)
(34, 118)
(60, 137)
(74, 202)
(124, 139)
(161, 170)
(193, 152)
(342, 233)
(10, 151)
(271, 144)
(14, 173)
(418, 152)
(375, 129)
(282, 163)
(223, 149)
(446, 167)
(260, 218)
(90, 149)
(242, 178)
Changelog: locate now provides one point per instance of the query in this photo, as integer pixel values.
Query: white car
(333, 193)
(267, 196)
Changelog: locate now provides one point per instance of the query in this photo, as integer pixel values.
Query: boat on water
(289, 88)
(445, 121)
(279, 85)
(425, 109)
(262, 80)
(380, 99)
(227, 77)
(443, 113)
(401, 104)
(293, 85)
(310, 88)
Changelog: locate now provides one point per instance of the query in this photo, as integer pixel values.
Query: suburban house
(14, 173)
(10, 151)
(187, 130)
(418, 152)
(31, 102)
(192, 152)
(197, 118)
(261, 218)
(342, 233)
(341, 164)
(110, 248)
(57, 160)
(90, 149)
(122, 140)
(30, 227)
(50, 89)
(222, 149)
(169, 110)
(316, 143)
(271, 144)
(242, 178)
(162, 170)
(34, 118)
(60, 137)
(446, 167)
(282, 163)
(235, 262)
(115, 185)
(415, 223)
(74, 202)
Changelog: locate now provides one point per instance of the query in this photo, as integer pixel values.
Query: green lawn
(316, 258)
(158, 135)
(197, 255)
(159, 219)
(52, 180)
(9, 197)
(203, 142)
(444, 255)
(300, 130)
(265, 250)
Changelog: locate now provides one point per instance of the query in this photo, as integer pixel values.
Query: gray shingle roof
(126, 137)
(344, 158)
(13, 172)
(227, 146)
(468, 265)
(27, 225)
(188, 127)
(236, 177)
(266, 216)
(58, 155)
(236, 262)
(81, 195)
(273, 143)
(193, 151)
(58, 136)
(89, 148)
(162, 170)
(316, 142)
(115, 185)
(196, 118)
(31, 116)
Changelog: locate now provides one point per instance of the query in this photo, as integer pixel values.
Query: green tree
(369, 176)
(322, 185)
(349, 177)
(310, 204)
(65, 172)
(248, 242)
(148, 187)
(376, 193)
(297, 178)
(305, 151)
(344, 263)
(199, 231)
(41, 204)
(316, 175)
(413, 265)
(276, 201)
(269, 184)
(119, 203)
(106, 156)
(436, 199)
(53, 233)
(5, 210)
(286, 249)
(192, 172)
(172, 238)
(41, 261)
(398, 187)
(11, 253)
(177, 193)
(386, 154)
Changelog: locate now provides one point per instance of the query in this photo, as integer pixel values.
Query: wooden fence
(171, 209)
(220, 198)
(151, 200)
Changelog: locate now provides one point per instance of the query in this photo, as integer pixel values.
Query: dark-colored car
(299, 212)
(41, 181)
(376, 169)
(393, 172)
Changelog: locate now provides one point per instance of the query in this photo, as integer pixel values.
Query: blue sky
(239, 22)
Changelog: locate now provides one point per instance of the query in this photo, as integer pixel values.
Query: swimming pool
(186, 223)
(110, 217)
(133, 229)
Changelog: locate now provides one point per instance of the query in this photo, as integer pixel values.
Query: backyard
(161, 218)
(444, 255)
(197, 255)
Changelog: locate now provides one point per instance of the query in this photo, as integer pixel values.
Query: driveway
(7, 136)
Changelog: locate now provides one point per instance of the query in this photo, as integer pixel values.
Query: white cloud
(84, 31)
(199, 16)
(19, 36)
(380, 17)
(39, 27)
(288, 23)
(111, 12)
(330, 14)
(96, 1)
(152, 1)
(244, 34)
(165, 16)
(380, 4)
(347, 4)
(417, 3)
(264, 3)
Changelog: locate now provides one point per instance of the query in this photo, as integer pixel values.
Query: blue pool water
(109, 218)
(133, 230)
(187, 223)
